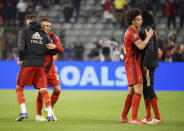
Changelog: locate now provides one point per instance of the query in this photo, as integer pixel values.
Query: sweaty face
(46, 26)
(138, 21)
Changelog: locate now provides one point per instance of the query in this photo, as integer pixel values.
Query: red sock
(20, 94)
(148, 108)
(39, 104)
(135, 105)
(54, 98)
(155, 108)
(127, 106)
(46, 98)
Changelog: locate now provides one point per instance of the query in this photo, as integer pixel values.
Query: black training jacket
(150, 52)
(31, 45)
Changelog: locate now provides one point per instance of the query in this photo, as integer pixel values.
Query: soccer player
(32, 47)
(52, 76)
(149, 63)
(132, 49)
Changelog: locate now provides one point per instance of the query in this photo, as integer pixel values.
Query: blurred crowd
(13, 13)
(172, 52)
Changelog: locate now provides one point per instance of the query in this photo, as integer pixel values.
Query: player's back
(31, 45)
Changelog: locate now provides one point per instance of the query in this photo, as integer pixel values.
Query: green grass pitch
(89, 111)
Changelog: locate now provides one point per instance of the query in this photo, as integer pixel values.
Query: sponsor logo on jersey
(36, 36)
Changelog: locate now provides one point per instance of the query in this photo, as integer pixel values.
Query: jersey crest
(135, 36)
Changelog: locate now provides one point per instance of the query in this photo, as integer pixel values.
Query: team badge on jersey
(135, 35)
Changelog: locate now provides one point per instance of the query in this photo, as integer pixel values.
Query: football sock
(20, 94)
(39, 104)
(54, 98)
(135, 105)
(148, 108)
(127, 106)
(46, 98)
(155, 108)
(23, 107)
(49, 111)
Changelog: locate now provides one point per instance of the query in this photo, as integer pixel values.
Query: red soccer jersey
(52, 77)
(48, 57)
(132, 57)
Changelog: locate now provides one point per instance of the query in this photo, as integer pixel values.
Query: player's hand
(149, 33)
(19, 63)
(50, 46)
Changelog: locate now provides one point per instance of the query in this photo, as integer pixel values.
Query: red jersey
(132, 57)
(52, 77)
(48, 57)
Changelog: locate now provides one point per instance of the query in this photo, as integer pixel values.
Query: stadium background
(85, 37)
(92, 30)
(92, 24)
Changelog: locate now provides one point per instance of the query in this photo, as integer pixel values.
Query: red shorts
(52, 77)
(29, 76)
(134, 75)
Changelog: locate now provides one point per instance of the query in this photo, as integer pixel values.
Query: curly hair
(131, 14)
(148, 19)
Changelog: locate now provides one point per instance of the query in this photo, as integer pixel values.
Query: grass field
(89, 111)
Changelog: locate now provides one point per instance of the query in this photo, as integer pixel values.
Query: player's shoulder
(129, 31)
(51, 34)
(23, 30)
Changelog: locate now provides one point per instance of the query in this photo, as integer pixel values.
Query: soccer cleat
(40, 118)
(137, 121)
(22, 116)
(50, 118)
(54, 115)
(124, 120)
(157, 121)
(149, 121)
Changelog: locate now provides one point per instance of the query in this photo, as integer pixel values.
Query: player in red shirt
(132, 49)
(52, 76)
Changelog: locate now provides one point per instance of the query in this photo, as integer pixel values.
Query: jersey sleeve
(21, 45)
(135, 36)
(56, 41)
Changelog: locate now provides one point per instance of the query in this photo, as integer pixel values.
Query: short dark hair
(45, 19)
(31, 17)
(131, 14)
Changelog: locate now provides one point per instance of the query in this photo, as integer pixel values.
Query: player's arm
(21, 45)
(57, 43)
(142, 44)
(50, 45)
